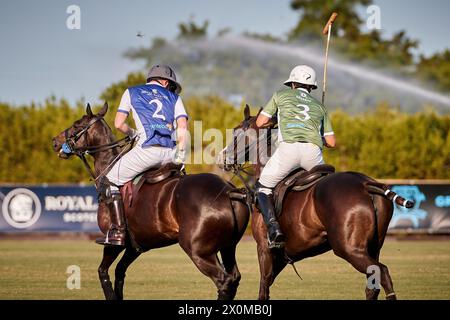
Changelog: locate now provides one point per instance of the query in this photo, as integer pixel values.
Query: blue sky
(39, 56)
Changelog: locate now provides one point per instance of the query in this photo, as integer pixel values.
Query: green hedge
(383, 143)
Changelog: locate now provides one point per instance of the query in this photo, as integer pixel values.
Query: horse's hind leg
(361, 261)
(210, 266)
(208, 263)
(229, 262)
(386, 282)
(110, 254)
(128, 258)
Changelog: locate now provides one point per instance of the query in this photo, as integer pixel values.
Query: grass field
(37, 270)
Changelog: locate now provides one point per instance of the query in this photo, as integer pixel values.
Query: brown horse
(346, 212)
(194, 210)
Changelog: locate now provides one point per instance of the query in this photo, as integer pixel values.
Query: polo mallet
(327, 31)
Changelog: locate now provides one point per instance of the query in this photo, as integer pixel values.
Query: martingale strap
(87, 166)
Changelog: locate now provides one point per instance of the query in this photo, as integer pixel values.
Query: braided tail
(382, 189)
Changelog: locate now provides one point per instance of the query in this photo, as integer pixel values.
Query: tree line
(212, 64)
(370, 47)
(383, 143)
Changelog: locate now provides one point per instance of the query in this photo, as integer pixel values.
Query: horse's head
(245, 140)
(85, 132)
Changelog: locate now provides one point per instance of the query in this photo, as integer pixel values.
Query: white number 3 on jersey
(304, 112)
(159, 107)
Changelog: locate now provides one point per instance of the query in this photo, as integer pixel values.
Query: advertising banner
(431, 211)
(48, 208)
(74, 208)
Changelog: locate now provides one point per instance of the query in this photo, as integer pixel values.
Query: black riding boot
(266, 206)
(116, 234)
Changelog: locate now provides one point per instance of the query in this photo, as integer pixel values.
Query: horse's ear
(89, 110)
(247, 112)
(103, 111)
(260, 109)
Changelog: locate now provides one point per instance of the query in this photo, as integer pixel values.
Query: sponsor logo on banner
(71, 203)
(21, 208)
(442, 201)
(76, 208)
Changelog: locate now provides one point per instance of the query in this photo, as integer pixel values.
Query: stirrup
(275, 244)
(106, 241)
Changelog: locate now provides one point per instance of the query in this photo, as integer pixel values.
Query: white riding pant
(136, 161)
(288, 157)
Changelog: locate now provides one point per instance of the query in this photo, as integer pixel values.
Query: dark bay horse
(194, 210)
(346, 212)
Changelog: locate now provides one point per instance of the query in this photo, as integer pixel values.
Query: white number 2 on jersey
(304, 112)
(159, 107)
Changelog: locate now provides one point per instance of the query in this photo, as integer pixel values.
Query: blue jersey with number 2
(155, 108)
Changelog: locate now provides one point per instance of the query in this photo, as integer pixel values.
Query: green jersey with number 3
(301, 118)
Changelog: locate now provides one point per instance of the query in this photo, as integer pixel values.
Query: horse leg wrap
(391, 296)
(118, 289)
(107, 286)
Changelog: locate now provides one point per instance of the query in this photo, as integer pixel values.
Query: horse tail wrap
(382, 189)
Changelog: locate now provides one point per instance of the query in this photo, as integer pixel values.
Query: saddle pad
(299, 180)
(151, 176)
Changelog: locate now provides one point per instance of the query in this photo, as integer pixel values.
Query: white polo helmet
(304, 75)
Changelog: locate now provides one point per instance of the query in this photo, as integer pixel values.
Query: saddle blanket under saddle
(299, 180)
(130, 189)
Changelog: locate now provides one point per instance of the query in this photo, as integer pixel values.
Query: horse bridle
(69, 146)
(239, 168)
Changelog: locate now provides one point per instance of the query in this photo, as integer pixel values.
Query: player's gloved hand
(180, 156)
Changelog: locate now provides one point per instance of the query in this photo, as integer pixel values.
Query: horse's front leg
(271, 263)
(265, 269)
(270, 266)
(129, 256)
(110, 253)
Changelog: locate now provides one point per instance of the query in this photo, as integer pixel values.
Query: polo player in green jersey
(304, 127)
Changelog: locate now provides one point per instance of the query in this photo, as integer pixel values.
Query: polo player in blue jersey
(161, 122)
